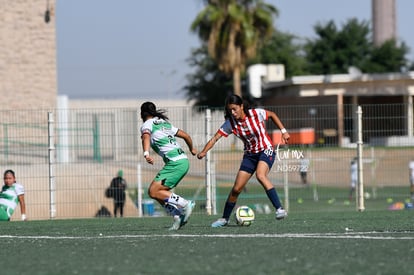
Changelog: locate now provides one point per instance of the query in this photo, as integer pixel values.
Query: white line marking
(353, 235)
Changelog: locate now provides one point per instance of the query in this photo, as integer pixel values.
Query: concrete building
(28, 54)
(338, 95)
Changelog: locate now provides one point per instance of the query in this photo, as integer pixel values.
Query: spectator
(117, 189)
(411, 176)
(303, 170)
(354, 177)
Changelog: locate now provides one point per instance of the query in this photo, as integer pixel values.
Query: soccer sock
(274, 198)
(172, 209)
(228, 208)
(177, 200)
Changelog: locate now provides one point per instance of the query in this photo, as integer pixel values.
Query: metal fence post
(52, 178)
(213, 188)
(360, 189)
(96, 140)
(208, 165)
(286, 184)
(139, 190)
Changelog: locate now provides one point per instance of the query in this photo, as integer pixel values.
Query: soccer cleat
(280, 213)
(187, 210)
(176, 224)
(220, 223)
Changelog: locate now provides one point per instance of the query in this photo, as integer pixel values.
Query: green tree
(232, 31)
(335, 50)
(387, 58)
(207, 86)
(281, 48)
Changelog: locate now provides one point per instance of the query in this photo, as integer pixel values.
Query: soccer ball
(244, 215)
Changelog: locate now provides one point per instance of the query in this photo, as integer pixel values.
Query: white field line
(353, 235)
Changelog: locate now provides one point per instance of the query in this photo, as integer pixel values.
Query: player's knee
(235, 192)
(152, 193)
(261, 177)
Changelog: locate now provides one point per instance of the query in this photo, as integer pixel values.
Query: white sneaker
(281, 213)
(176, 224)
(188, 209)
(220, 223)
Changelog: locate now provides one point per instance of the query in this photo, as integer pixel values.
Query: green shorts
(173, 172)
(3, 214)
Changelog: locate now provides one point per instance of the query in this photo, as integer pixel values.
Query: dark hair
(148, 109)
(9, 172)
(235, 99)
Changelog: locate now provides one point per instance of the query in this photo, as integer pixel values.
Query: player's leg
(176, 172)
(240, 183)
(3, 214)
(121, 208)
(246, 170)
(115, 208)
(262, 174)
(175, 205)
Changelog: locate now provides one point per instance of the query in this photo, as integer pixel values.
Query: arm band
(283, 130)
(146, 154)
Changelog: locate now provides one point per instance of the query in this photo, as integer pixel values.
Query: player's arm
(279, 124)
(188, 140)
(146, 141)
(22, 206)
(210, 144)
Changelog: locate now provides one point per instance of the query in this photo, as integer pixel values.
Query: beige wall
(27, 55)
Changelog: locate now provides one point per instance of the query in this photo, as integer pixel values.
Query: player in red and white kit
(249, 126)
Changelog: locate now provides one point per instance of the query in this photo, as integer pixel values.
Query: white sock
(177, 200)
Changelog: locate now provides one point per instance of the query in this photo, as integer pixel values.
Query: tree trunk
(236, 81)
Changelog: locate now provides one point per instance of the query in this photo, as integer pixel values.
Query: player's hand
(149, 159)
(194, 151)
(286, 137)
(201, 155)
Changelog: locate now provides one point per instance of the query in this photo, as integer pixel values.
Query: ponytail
(148, 109)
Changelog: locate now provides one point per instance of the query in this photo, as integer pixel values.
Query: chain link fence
(65, 172)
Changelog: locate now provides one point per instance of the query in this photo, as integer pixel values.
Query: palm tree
(233, 30)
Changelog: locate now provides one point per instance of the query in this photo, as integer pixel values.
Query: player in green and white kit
(11, 194)
(159, 134)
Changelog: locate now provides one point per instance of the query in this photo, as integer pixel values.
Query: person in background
(11, 194)
(411, 177)
(159, 134)
(354, 177)
(249, 126)
(118, 186)
(303, 170)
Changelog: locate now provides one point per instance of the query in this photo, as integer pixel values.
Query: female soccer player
(249, 125)
(11, 194)
(160, 134)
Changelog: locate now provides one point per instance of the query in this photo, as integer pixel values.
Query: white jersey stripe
(250, 130)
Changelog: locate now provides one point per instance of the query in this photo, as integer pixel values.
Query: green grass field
(305, 198)
(350, 242)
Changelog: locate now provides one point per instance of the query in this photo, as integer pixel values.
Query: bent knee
(152, 191)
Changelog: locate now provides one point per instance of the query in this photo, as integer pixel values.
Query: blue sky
(138, 48)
